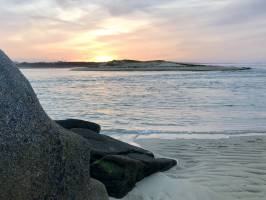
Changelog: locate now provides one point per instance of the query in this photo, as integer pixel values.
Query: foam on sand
(162, 187)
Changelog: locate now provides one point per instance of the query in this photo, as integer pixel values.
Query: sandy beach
(230, 168)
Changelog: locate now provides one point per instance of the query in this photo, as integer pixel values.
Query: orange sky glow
(178, 30)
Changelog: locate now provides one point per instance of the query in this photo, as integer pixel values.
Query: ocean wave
(132, 136)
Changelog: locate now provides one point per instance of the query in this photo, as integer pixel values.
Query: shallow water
(156, 101)
(194, 117)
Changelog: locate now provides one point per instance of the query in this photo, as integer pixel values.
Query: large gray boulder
(39, 160)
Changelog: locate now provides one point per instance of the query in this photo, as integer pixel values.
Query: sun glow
(103, 58)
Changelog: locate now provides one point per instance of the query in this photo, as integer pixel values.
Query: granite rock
(39, 160)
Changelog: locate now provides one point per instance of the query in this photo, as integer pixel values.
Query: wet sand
(232, 168)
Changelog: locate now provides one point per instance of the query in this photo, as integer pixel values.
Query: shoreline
(189, 68)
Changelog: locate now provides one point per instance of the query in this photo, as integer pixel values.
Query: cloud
(114, 7)
(121, 7)
(240, 12)
(170, 29)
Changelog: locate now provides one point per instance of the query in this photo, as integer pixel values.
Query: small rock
(77, 123)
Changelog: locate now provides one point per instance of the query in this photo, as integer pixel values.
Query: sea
(212, 123)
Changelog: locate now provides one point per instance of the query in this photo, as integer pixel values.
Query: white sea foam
(132, 138)
(128, 138)
(196, 136)
(162, 187)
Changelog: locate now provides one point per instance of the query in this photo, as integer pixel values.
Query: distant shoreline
(130, 65)
(199, 68)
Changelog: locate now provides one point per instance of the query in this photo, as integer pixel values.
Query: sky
(98, 30)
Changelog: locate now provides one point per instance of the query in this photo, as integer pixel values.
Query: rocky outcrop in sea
(42, 159)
